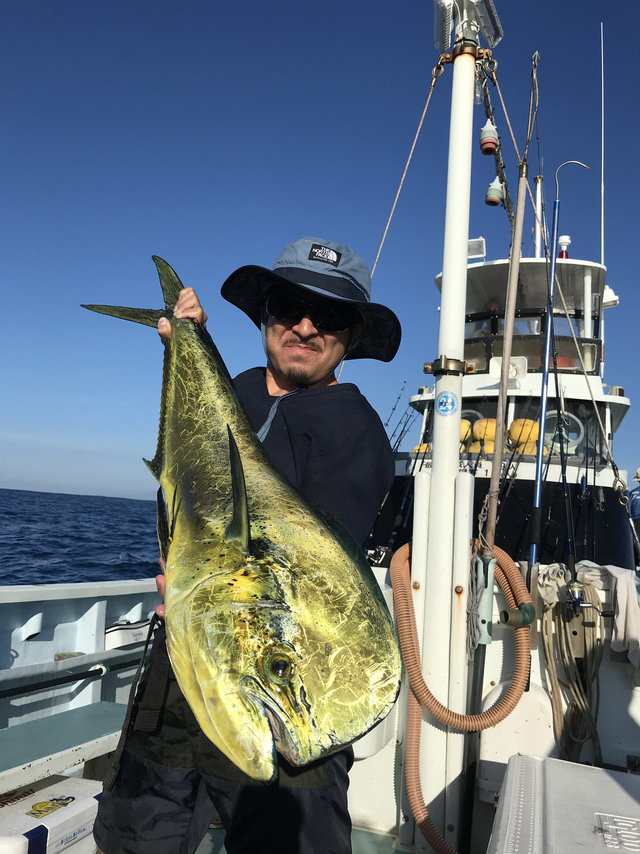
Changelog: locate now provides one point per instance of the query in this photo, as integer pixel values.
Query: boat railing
(28, 679)
(31, 746)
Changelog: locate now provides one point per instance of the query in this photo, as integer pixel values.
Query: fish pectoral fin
(238, 529)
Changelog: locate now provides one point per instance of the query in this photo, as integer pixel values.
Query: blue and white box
(48, 816)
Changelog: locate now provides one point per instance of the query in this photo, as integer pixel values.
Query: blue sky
(212, 134)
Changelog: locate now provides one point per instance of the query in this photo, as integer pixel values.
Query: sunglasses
(325, 316)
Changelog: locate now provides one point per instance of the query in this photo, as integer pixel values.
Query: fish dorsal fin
(238, 528)
(169, 282)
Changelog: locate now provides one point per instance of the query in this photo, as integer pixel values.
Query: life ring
(573, 431)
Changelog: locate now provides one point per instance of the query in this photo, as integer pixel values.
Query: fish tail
(146, 316)
(169, 282)
(171, 287)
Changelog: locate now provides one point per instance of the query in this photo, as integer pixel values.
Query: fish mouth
(280, 723)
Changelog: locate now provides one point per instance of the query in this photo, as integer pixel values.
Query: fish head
(266, 676)
(240, 665)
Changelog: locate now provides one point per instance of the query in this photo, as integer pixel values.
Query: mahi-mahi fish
(277, 631)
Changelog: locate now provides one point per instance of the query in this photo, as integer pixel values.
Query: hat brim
(248, 286)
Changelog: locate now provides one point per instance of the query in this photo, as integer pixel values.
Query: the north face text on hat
(325, 254)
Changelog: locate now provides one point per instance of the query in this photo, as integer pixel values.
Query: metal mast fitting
(472, 16)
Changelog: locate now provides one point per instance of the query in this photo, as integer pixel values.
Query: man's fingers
(160, 584)
(164, 328)
(188, 305)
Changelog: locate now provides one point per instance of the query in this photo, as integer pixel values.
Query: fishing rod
(510, 470)
(404, 426)
(393, 408)
(536, 513)
(562, 437)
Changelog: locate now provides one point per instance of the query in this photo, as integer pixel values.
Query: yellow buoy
(485, 428)
(530, 448)
(477, 447)
(465, 430)
(524, 430)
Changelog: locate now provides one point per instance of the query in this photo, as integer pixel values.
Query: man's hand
(160, 584)
(188, 305)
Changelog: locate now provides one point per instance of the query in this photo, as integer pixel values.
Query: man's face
(300, 349)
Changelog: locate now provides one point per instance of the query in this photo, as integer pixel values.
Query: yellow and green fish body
(277, 632)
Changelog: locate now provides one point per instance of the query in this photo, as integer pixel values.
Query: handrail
(36, 677)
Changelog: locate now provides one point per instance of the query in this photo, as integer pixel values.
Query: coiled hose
(508, 576)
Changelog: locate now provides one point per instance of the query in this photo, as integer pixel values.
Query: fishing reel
(575, 598)
(576, 602)
(379, 556)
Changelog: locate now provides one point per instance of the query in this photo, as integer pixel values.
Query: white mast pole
(602, 143)
(437, 568)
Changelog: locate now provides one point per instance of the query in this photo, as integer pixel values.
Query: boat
(504, 543)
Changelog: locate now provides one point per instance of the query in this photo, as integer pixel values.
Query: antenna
(602, 143)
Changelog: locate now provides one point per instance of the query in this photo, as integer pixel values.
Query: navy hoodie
(328, 443)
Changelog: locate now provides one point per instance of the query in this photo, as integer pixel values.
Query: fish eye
(279, 667)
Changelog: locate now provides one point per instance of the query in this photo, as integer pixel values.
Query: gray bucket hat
(328, 269)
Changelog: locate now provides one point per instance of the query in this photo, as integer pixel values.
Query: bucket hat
(328, 269)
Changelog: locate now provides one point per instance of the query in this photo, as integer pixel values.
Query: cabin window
(475, 355)
(478, 353)
(583, 443)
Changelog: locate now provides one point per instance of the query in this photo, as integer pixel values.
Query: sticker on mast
(446, 403)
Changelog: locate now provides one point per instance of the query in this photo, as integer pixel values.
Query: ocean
(47, 537)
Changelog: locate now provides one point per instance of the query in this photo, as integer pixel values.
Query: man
(634, 503)
(314, 310)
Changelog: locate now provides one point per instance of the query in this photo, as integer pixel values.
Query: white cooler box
(49, 816)
(549, 806)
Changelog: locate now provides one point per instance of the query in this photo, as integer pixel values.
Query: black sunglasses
(324, 315)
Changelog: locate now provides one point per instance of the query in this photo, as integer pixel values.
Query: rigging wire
(437, 71)
(619, 483)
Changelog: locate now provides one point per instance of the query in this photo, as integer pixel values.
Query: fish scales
(278, 635)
